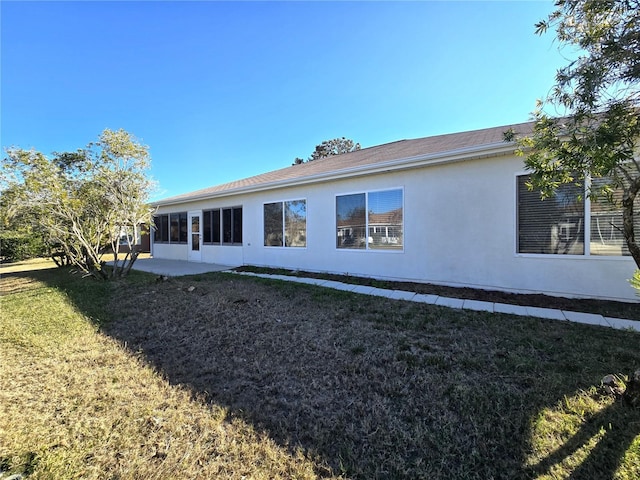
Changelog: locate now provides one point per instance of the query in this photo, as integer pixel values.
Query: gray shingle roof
(397, 153)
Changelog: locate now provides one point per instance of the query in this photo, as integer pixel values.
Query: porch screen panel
(161, 233)
(607, 237)
(273, 218)
(183, 227)
(295, 223)
(227, 225)
(174, 220)
(215, 221)
(551, 226)
(351, 221)
(165, 228)
(207, 233)
(237, 225)
(385, 220)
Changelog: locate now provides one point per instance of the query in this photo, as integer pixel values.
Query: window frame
(161, 229)
(550, 242)
(587, 216)
(166, 232)
(367, 247)
(283, 223)
(218, 226)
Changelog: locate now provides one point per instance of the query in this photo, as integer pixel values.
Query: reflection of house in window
(351, 221)
(380, 228)
(551, 226)
(557, 225)
(607, 237)
(385, 229)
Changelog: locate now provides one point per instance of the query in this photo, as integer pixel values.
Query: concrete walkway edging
(474, 305)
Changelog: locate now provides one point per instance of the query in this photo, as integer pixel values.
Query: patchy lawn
(607, 308)
(222, 376)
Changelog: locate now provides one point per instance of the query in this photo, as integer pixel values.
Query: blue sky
(225, 90)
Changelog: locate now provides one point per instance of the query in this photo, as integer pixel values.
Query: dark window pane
(227, 226)
(216, 226)
(164, 226)
(351, 221)
(551, 226)
(183, 227)
(206, 226)
(175, 227)
(157, 232)
(273, 224)
(237, 225)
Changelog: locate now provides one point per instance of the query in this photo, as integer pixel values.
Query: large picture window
(370, 221)
(557, 225)
(222, 226)
(285, 224)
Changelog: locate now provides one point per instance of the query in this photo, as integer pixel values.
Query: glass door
(195, 236)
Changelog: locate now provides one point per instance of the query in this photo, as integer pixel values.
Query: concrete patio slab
(176, 268)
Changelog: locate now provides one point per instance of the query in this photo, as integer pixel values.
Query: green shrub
(16, 246)
(635, 281)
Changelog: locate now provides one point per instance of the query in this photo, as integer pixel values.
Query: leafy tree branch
(84, 202)
(593, 131)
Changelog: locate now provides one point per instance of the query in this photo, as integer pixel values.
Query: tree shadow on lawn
(597, 447)
(373, 388)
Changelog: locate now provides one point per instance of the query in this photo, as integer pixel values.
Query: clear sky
(226, 90)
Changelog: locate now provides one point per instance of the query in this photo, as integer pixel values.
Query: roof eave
(458, 155)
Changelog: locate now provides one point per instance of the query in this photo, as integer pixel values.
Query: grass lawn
(223, 376)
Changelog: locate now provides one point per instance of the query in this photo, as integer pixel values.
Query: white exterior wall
(459, 230)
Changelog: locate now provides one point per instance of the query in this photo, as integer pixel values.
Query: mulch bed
(608, 308)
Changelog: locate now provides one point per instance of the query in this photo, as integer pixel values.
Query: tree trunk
(134, 257)
(628, 201)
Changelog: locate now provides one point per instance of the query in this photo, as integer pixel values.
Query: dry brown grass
(78, 404)
(379, 389)
(221, 376)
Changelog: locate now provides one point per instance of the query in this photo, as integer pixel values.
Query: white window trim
(221, 243)
(366, 204)
(587, 230)
(283, 246)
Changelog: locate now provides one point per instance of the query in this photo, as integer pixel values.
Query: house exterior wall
(460, 229)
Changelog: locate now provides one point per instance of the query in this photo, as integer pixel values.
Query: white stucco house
(450, 209)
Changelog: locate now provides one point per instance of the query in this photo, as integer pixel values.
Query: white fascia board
(459, 155)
